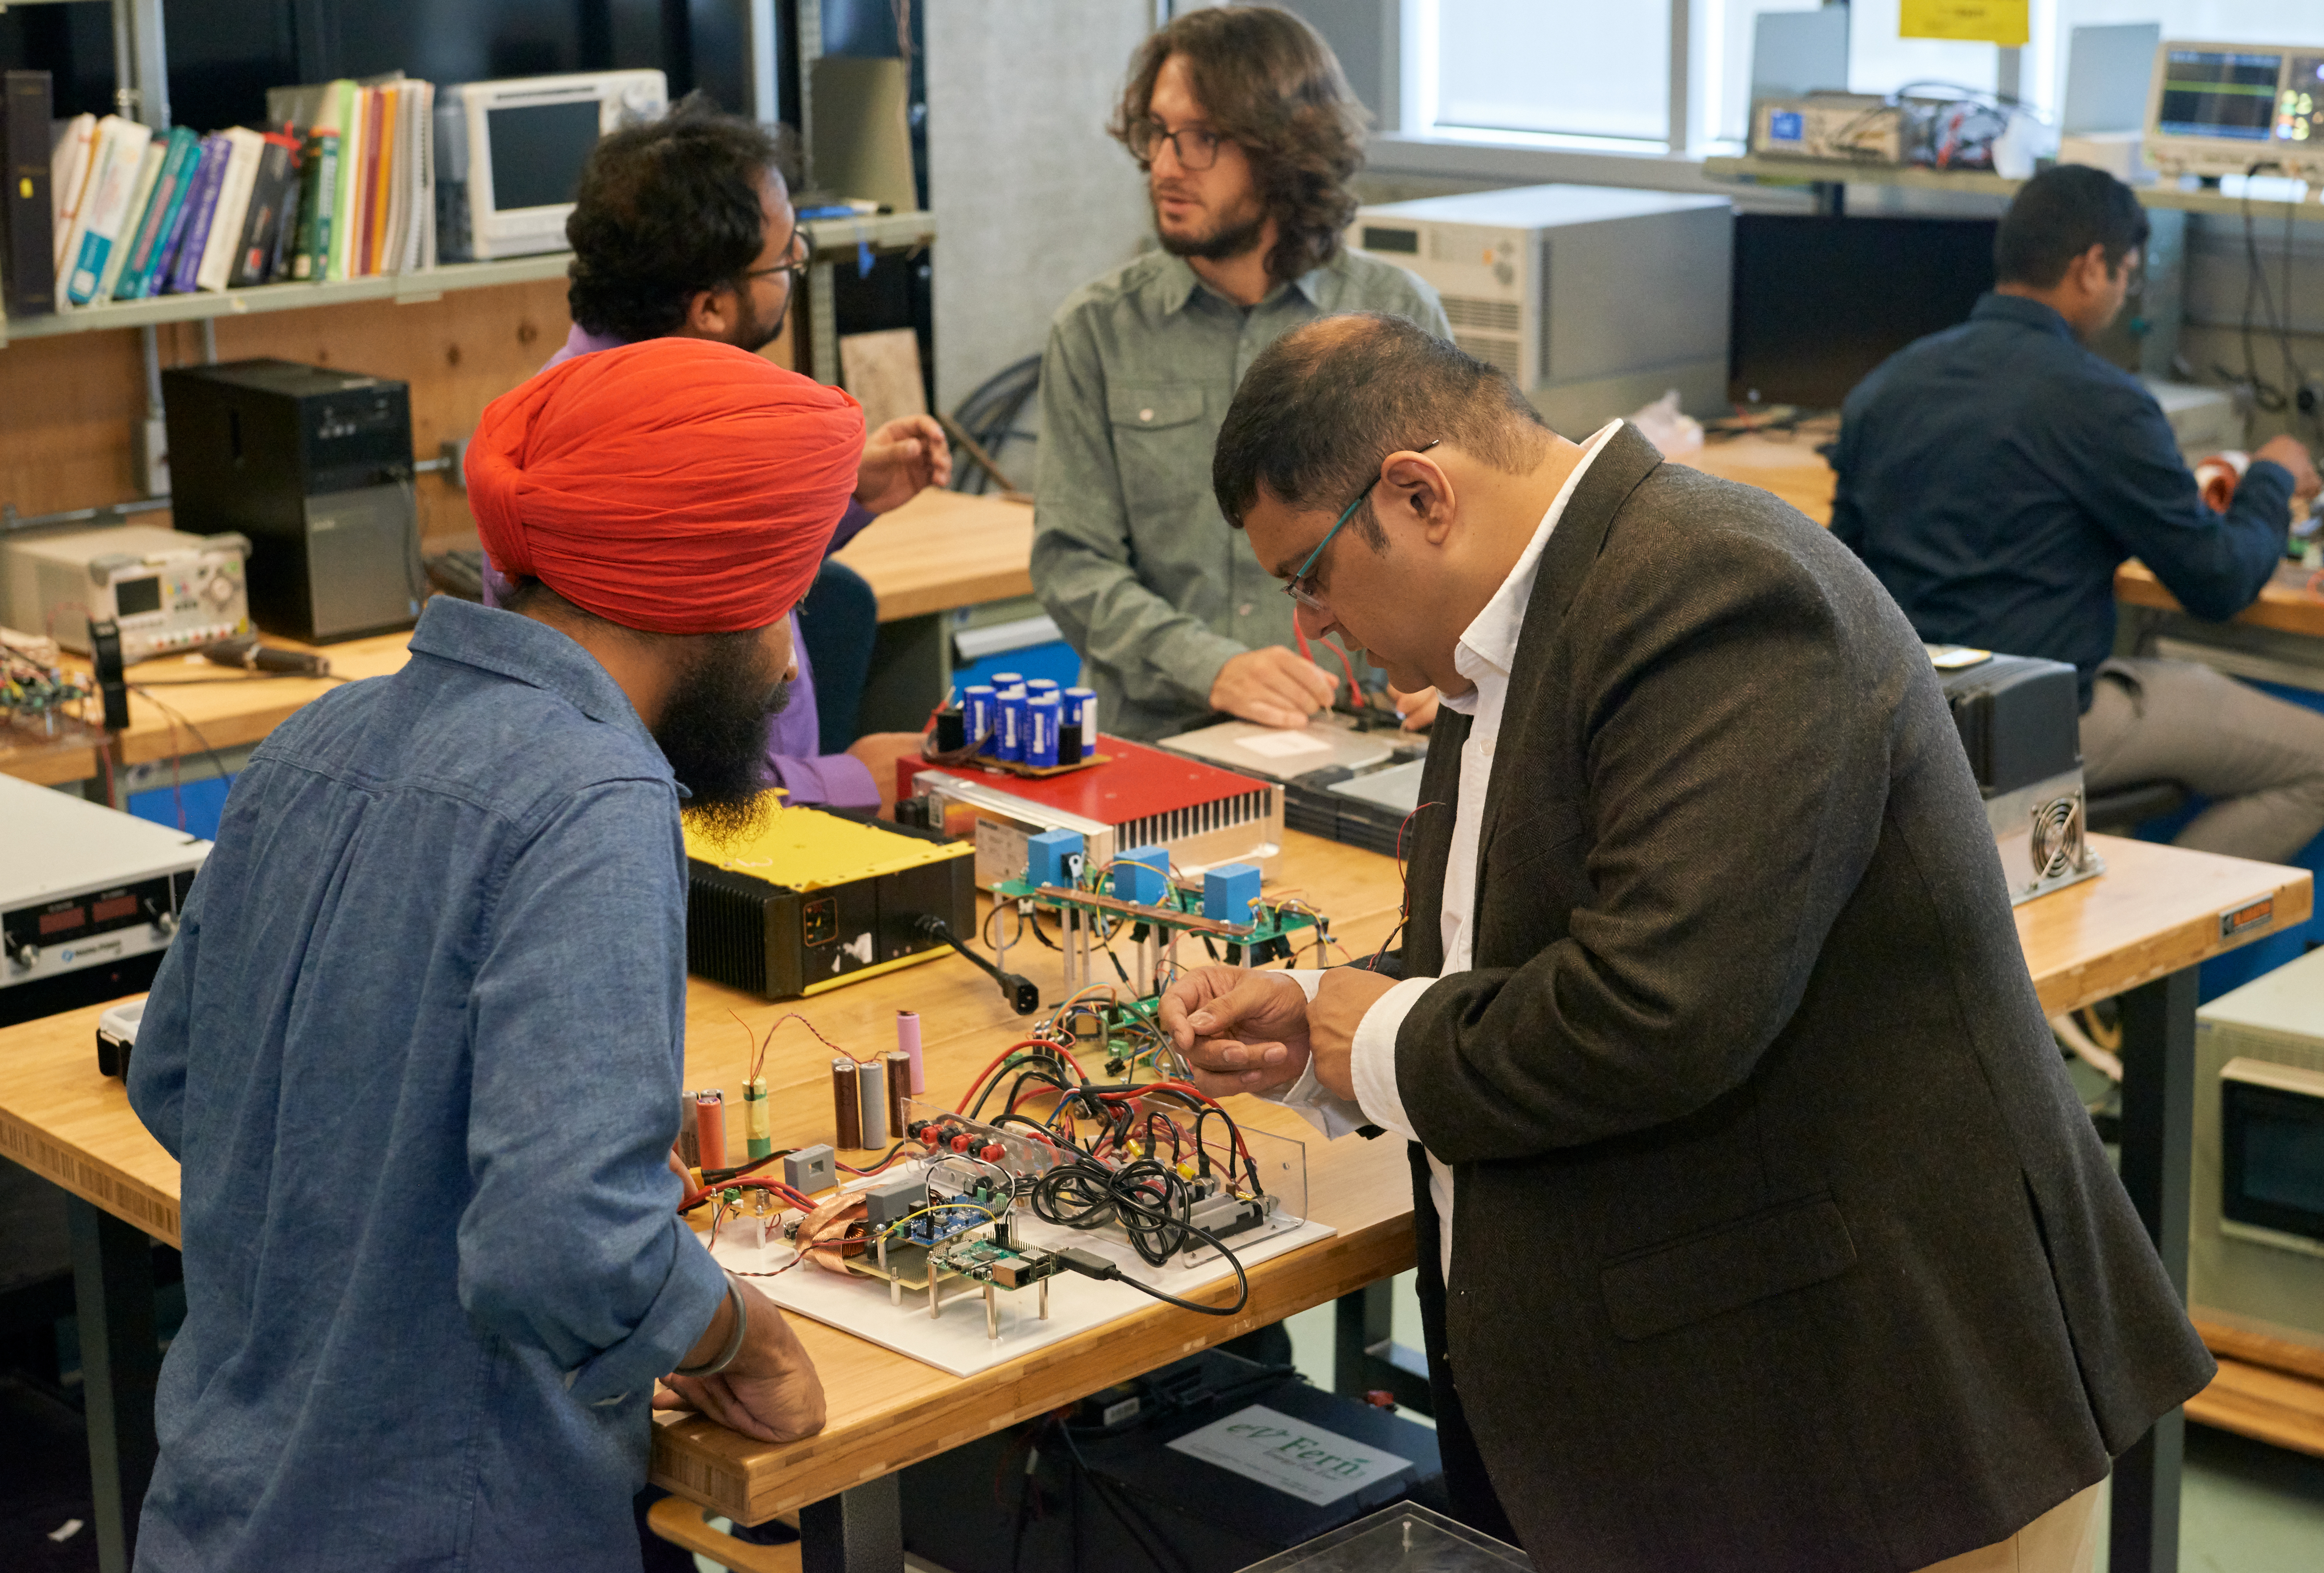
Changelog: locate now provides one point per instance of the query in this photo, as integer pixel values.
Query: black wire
(216, 763)
(1148, 1539)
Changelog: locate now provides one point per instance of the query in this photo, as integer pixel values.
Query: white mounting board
(954, 1342)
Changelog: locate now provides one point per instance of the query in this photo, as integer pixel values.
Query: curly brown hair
(1273, 87)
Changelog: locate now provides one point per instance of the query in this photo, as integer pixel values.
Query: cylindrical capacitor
(871, 1087)
(1004, 681)
(1041, 713)
(1036, 687)
(689, 1148)
(845, 1104)
(710, 1127)
(899, 1087)
(1012, 724)
(982, 706)
(1081, 711)
(907, 1039)
(754, 1118)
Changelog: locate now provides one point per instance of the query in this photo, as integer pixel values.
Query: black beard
(749, 332)
(1228, 241)
(714, 731)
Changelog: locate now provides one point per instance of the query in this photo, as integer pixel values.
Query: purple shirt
(793, 764)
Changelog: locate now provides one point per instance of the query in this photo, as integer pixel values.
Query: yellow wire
(939, 1207)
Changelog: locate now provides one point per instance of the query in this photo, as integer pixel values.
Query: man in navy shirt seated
(1995, 475)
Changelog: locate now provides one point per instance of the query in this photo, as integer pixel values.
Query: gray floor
(2245, 1507)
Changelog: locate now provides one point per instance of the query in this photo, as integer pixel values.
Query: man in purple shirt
(684, 228)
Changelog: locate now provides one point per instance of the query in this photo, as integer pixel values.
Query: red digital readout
(53, 922)
(114, 907)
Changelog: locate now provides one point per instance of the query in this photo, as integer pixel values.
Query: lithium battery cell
(1080, 713)
(846, 1103)
(759, 1143)
(980, 706)
(907, 1040)
(690, 1146)
(899, 1087)
(871, 1088)
(1041, 713)
(1012, 725)
(710, 1127)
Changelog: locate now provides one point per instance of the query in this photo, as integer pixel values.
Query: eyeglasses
(1296, 586)
(1198, 151)
(794, 261)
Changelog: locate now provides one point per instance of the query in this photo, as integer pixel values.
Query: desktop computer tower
(314, 467)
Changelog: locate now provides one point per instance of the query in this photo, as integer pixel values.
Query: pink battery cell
(907, 1039)
(710, 1127)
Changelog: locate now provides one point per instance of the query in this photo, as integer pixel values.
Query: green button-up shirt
(1130, 554)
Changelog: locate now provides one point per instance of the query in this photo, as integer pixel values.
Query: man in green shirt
(1248, 134)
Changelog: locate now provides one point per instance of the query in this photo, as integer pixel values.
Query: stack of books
(342, 187)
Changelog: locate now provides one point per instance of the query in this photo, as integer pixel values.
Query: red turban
(675, 485)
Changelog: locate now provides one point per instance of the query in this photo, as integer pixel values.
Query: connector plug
(1088, 1264)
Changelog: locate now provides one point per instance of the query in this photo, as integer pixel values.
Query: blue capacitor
(1012, 725)
(1081, 711)
(1041, 716)
(1004, 681)
(983, 718)
(1037, 687)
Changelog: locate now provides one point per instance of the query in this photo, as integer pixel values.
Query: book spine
(382, 164)
(272, 186)
(67, 180)
(123, 159)
(146, 239)
(201, 213)
(169, 208)
(133, 219)
(28, 214)
(344, 215)
(216, 270)
(316, 188)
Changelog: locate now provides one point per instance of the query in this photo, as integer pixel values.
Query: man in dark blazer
(1782, 1240)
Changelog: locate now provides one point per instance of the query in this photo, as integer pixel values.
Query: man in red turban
(418, 1044)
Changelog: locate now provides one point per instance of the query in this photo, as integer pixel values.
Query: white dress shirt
(1487, 650)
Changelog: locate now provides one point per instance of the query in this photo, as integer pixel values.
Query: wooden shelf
(404, 288)
(1810, 172)
(828, 240)
(2267, 1389)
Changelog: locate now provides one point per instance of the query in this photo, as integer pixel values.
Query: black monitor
(1819, 301)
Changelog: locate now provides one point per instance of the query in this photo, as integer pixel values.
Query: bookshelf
(831, 243)
(404, 288)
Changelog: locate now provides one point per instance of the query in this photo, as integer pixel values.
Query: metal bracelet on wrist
(734, 1339)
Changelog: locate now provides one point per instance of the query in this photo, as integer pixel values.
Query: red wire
(1002, 1058)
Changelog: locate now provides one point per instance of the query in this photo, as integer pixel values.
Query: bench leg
(2158, 1134)
(860, 1531)
(120, 1363)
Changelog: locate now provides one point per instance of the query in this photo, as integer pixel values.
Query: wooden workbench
(1792, 468)
(939, 551)
(2140, 929)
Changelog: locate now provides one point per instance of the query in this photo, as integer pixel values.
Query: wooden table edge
(708, 1464)
(122, 1195)
(2194, 941)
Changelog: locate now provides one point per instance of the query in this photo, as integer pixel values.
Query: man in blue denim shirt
(419, 1044)
(1994, 475)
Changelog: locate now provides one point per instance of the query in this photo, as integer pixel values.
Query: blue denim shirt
(1994, 475)
(418, 1047)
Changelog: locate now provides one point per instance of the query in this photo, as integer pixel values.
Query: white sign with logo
(1295, 1457)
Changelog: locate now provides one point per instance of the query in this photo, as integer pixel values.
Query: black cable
(216, 763)
(1148, 1539)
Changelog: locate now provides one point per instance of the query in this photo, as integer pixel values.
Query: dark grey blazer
(1781, 1240)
